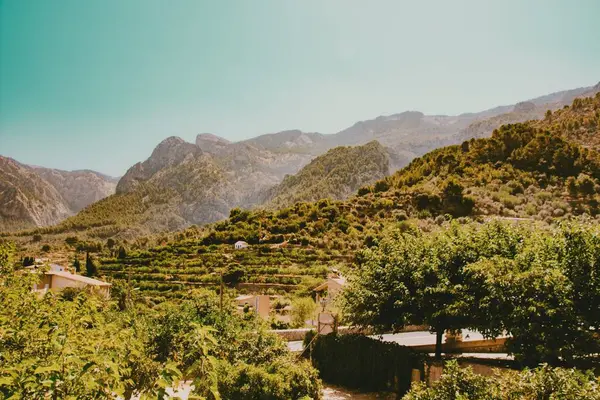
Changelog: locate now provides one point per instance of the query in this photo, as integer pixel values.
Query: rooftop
(79, 278)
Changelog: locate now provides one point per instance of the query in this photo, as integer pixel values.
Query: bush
(458, 383)
(303, 308)
(283, 380)
(359, 362)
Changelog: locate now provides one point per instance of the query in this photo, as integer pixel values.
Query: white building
(240, 245)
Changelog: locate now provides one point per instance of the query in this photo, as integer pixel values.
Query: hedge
(359, 362)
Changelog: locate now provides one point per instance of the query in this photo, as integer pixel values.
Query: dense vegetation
(335, 175)
(541, 383)
(77, 345)
(542, 288)
(359, 362)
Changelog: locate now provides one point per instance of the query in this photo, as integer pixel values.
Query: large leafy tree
(417, 279)
(540, 288)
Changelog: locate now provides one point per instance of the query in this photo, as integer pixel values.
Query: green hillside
(335, 175)
(529, 170)
(535, 170)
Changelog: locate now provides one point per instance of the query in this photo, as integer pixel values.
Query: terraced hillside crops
(170, 271)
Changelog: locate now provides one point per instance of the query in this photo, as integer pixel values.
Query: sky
(97, 84)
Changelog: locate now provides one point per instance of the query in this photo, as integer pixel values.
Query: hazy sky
(98, 83)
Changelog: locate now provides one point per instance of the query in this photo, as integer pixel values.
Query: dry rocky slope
(35, 196)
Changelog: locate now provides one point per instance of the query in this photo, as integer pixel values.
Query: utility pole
(221, 293)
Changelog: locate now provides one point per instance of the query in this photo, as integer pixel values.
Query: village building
(259, 303)
(240, 244)
(326, 292)
(57, 278)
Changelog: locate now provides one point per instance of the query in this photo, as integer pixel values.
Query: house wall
(44, 280)
(262, 305)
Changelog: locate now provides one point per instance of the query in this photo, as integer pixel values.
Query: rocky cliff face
(171, 151)
(26, 199)
(79, 188)
(35, 196)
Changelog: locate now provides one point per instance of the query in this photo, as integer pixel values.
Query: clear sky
(98, 83)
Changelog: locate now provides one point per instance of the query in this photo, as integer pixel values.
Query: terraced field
(170, 271)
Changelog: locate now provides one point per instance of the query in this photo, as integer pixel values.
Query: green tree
(458, 383)
(303, 308)
(233, 274)
(6, 258)
(90, 266)
(77, 264)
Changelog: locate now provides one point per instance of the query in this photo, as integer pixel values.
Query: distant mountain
(185, 183)
(26, 199)
(79, 188)
(336, 175)
(542, 170)
(35, 196)
(524, 111)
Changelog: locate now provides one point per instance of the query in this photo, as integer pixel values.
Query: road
(405, 338)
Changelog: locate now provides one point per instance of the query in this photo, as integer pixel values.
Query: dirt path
(335, 393)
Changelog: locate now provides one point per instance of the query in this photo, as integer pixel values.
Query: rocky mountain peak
(211, 143)
(171, 151)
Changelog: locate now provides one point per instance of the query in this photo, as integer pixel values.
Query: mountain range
(185, 183)
(37, 196)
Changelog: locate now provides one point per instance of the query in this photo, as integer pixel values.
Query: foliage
(279, 380)
(458, 383)
(359, 362)
(303, 308)
(6, 257)
(90, 266)
(336, 174)
(78, 345)
(541, 288)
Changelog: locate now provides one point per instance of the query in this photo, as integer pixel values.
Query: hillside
(335, 175)
(32, 196)
(26, 199)
(79, 188)
(525, 111)
(533, 170)
(182, 185)
(579, 122)
(198, 183)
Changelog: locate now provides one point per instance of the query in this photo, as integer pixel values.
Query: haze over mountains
(185, 183)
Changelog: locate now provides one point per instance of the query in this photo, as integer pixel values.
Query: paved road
(405, 338)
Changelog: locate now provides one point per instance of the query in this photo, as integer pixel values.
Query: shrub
(359, 362)
(302, 309)
(281, 380)
(458, 383)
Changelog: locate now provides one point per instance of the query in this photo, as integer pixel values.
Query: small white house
(240, 245)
